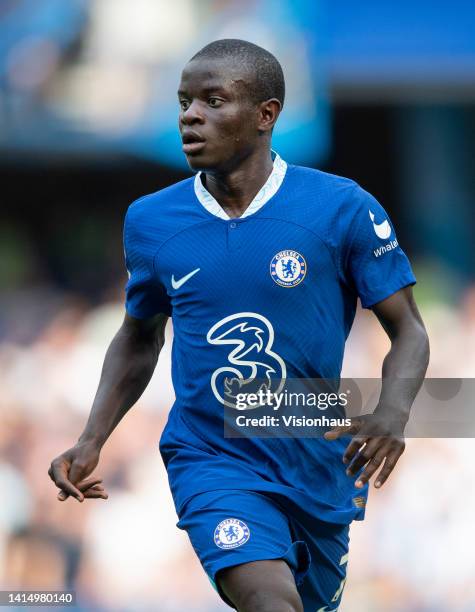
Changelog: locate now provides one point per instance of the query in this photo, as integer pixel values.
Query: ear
(269, 112)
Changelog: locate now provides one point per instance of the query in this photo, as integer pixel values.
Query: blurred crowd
(81, 77)
(126, 554)
(101, 75)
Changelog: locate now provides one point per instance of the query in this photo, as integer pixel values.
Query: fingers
(95, 494)
(342, 430)
(96, 491)
(388, 467)
(373, 443)
(357, 456)
(78, 471)
(89, 494)
(58, 473)
(334, 433)
(373, 464)
(88, 482)
(375, 452)
(91, 488)
(353, 447)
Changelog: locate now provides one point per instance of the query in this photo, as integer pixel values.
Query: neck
(235, 190)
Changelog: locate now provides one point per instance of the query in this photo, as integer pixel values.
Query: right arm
(128, 367)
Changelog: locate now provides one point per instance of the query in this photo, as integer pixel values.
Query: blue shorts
(231, 527)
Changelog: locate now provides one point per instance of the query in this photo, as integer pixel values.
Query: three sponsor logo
(249, 337)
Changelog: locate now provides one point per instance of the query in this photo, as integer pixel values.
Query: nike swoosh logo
(382, 230)
(176, 284)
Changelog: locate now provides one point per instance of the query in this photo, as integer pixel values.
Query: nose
(192, 114)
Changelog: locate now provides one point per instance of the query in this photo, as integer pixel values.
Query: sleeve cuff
(383, 292)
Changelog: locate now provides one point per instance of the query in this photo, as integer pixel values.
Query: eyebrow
(206, 90)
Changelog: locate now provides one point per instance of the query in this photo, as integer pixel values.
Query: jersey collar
(266, 192)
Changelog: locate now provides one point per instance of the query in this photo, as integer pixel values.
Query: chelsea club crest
(288, 268)
(231, 533)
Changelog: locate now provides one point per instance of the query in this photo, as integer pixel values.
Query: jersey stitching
(350, 228)
(308, 230)
(173, 236)
(257, 215)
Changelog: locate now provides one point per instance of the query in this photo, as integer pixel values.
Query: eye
(215, 102)
(184, 105)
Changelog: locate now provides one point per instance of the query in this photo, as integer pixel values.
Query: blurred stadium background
(381, 92)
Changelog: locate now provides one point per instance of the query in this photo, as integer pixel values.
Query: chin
(200, 162)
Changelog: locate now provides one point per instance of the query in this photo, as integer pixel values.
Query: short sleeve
(145, 296)
(373, 262)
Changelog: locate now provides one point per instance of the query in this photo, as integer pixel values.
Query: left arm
(380, 437)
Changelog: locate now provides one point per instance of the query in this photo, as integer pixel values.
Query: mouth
(192, 142)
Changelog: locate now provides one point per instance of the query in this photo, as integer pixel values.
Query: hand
(69, 472)
(375, 439)
(90, 488)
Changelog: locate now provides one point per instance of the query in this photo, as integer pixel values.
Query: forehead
(225, 74)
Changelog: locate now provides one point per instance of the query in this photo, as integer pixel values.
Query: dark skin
(128, 367)
(378, 438)
(215, 106)
(227, 135)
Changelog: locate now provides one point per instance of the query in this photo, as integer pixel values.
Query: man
(260, 265)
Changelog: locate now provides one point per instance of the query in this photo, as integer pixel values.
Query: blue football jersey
(292, 267)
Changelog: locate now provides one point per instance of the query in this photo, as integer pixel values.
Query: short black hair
(268, 77)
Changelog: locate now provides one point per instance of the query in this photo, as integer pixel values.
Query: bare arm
(379, 437)
(128, 367)
(405, 365)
